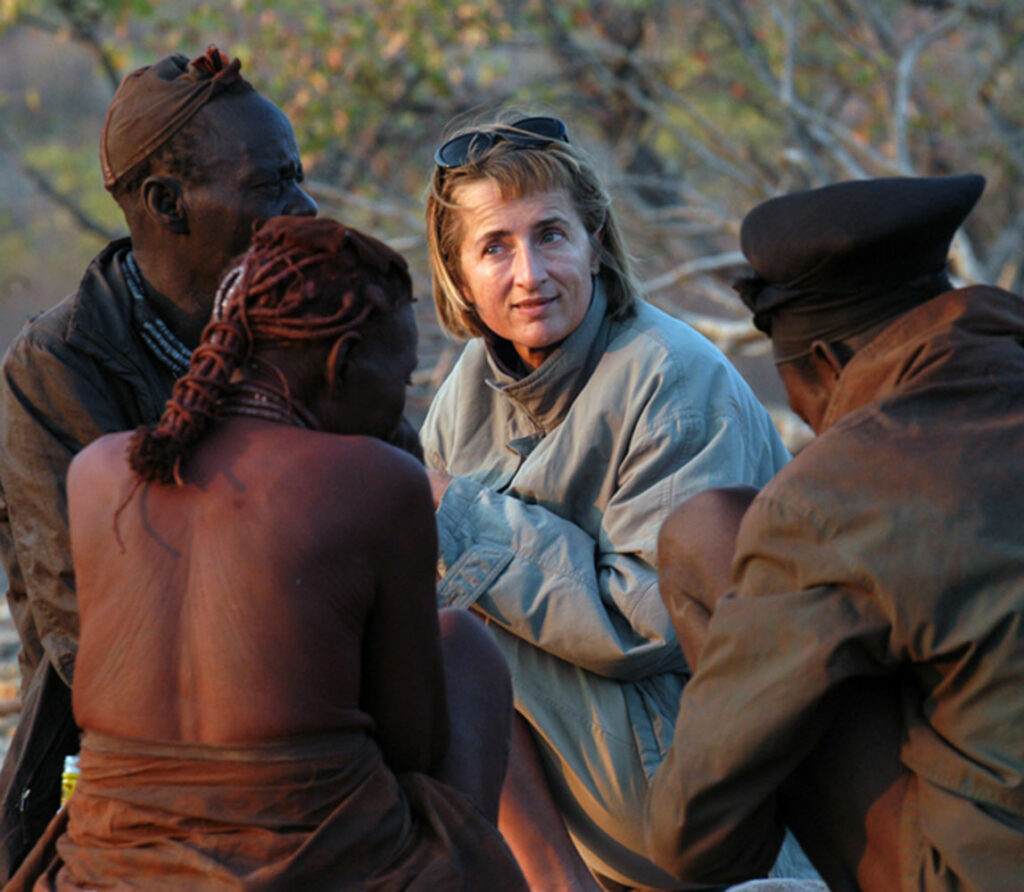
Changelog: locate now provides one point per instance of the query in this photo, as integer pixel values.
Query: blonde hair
(518, 171)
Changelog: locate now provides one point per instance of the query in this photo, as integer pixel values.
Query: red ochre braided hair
(304, 280)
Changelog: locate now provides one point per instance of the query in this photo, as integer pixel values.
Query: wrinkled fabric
(156, 101)
(312, 814)
(74, 373)
(562, 481)
(892, 546)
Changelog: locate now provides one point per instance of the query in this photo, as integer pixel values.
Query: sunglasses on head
(531, 133)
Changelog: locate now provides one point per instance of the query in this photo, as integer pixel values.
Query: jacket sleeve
(593, 602)
(793, 630)
(44, 421)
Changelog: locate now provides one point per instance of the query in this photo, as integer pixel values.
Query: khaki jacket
(564, 477)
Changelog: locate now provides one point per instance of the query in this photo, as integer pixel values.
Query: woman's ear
(164, 201)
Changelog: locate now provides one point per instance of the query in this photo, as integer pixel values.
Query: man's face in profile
(249, 170)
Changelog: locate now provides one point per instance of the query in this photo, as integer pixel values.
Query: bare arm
(761, 699)
(695, 549)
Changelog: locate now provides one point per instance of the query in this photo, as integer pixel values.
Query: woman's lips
(534, 306)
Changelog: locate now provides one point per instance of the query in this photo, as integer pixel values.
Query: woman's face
(526, 265)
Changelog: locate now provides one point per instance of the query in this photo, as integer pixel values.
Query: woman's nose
(530, 269)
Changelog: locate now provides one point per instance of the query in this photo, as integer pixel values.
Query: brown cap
(834, 261)
(155, 102)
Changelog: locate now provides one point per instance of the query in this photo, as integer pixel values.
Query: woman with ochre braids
(266, 700)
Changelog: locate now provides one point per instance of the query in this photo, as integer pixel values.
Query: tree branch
(610, 81)
(83, 29)
(339, 196)
(43, 183)
(1004, 257)
(689, 268)
(786, 20)
(828, 132)
(904, 77)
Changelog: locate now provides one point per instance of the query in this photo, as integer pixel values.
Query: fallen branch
(691, 268)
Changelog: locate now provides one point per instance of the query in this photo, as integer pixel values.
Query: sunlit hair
(303, 281)
(518, 171)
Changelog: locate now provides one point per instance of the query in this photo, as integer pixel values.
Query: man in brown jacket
(863, 676)
(194, 156)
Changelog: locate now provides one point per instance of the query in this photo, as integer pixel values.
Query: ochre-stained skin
(289, 580)
(695, 547)
(844, 801)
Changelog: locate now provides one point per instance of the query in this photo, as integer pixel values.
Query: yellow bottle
(69, 778)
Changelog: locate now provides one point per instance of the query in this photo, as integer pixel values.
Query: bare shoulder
(354, 494)
(346, 454)
(99, 479)
(100, 461)
(709, 507)
(379, 477)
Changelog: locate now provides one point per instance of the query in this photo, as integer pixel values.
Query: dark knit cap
(834, 261)
(156, 101)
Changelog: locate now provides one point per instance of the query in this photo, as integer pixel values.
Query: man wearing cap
(194, 156)
(863, 675)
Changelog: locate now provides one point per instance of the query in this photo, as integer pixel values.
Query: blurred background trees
(695, 111)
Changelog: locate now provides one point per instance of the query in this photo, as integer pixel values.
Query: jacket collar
(547, 392)
(100, 320)
(938, 334)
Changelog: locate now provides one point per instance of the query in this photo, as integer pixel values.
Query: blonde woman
(577, 416)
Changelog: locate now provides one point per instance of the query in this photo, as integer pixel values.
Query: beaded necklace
(257, 400)
(171, 352)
